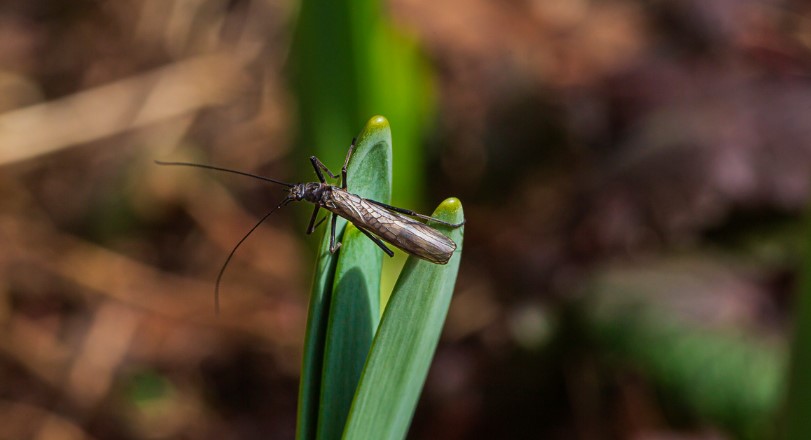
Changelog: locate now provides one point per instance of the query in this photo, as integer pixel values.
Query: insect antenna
(233, 251)
(210, 167)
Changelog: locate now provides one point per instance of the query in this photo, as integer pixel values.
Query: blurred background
(635, 177)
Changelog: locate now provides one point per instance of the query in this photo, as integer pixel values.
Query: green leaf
(344, 289)
(404, 346)
(354, 315)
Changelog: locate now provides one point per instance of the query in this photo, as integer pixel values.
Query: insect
(378, 221)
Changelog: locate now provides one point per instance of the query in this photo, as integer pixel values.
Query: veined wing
(411, 236)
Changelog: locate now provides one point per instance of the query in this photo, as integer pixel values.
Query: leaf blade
(407, 337)
(369, 175)
(353, 319)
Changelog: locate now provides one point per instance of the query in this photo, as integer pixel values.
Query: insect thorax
(312, 192)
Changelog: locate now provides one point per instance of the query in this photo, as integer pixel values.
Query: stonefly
(378, 221)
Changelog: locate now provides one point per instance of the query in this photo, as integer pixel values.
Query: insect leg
(346, 162)
(311, 227)
(333, 246)
(318, 166)
(416, 214)
(319, 222)
(378, 242)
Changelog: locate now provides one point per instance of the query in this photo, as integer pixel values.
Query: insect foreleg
(320, 222)
(318, 166)
(416, 214)
(333, 246)
(346, 162)
(311, 227)
(378, 242)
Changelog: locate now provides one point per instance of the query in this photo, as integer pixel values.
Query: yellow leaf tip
(450, 204)
(450, 210)
(377, 122)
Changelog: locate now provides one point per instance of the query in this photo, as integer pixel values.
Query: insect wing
(407, 234)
